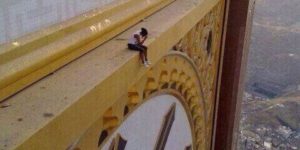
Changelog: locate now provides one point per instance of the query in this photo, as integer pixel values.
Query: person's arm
(144, 39)
(140, 40)
(137, 37)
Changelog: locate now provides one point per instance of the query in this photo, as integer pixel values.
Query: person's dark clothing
(137, 47)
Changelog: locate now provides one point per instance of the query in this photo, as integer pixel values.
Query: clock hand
(118, 143)
(188, 147)
(166, 128)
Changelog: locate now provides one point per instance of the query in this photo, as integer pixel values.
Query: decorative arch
(174, 74)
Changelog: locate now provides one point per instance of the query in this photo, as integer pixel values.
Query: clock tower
(69, 82)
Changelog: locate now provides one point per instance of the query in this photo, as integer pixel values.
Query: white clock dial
(160, 123)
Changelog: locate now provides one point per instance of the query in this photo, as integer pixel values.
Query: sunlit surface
(20, 17)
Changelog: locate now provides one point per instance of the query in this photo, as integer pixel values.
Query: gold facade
(205, 52)
(189, 72)
(186, 55)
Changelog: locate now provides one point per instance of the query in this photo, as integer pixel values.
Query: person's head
(144, 32)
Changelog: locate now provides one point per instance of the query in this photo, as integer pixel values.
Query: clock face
(160, 123)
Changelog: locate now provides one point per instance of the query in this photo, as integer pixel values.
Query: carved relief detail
(175, 74)
(202, 45)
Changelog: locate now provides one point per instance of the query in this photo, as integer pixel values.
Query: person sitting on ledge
(136, 43)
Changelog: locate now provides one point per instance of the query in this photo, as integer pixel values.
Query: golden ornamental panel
(190, 74)
(202, 45)
(174, 74)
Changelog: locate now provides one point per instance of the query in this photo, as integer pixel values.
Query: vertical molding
(231, 83)
(219, 73)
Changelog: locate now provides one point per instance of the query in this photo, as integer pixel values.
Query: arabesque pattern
(205, 53)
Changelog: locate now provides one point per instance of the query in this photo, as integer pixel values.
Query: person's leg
(142, 56)
(145, 49)
(142, 53)
(140, 49)
(133, 47)
(146, 54)
(143, 46)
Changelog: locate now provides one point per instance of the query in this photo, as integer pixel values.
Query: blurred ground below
(270, 116)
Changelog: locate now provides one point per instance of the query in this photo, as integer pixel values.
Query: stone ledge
(42, 53)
